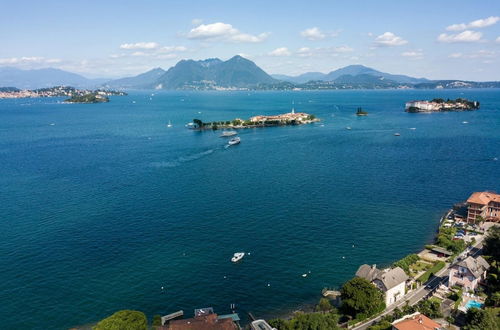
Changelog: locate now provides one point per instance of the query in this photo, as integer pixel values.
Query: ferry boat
(228, 133)
(234, 141)
(237, 256)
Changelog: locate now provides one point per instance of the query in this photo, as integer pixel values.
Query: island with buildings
(291, 118)
(57, 91)
(439, 105)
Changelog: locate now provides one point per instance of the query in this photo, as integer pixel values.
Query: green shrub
(123, 320)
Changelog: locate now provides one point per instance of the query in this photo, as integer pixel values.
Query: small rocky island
(438, 105)
(361, 112)
(291, 118)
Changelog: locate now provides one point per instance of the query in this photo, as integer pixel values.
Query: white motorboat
(348, 127)
(397, 134)
(228, 133)
(234, 141)
(237, 256)
(169, 124)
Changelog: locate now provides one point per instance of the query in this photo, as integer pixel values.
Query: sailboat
(169, 124)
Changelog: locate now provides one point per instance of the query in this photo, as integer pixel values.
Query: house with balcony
(484, 204)
(468, 273)
(391, 281)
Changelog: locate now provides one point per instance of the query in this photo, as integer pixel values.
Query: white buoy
(268, 284)
(343, 257)
(162, 288)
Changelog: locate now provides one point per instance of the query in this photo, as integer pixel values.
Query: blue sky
(433, 39)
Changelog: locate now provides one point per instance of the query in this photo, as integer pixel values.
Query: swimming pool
(473, 303)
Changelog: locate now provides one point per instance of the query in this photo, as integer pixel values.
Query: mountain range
(350, 71)
(235, 73)
(42, 78)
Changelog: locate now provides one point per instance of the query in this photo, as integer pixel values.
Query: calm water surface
(107, 205)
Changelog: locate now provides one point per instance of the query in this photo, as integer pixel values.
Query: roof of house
(208, 322)
(477, 266)
(368, 272)
(417, 322)
(441, 250)
(483, 198)
(389, 278)
(392, 277)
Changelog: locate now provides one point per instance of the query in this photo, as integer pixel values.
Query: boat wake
(183, 159)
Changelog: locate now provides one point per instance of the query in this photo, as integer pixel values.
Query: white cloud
(29, 60)
(169, 49)
(313, 33)
(305, 52)
(479, 54)
(223, 31)
(480, 23)
(389, 39)
(415, 54)
(465, 36)
(456, 55)
(140, 45)
(196, 21)
(282, 51)
(323, 51)
(342, 49)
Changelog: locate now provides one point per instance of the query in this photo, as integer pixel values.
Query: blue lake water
(107, 205)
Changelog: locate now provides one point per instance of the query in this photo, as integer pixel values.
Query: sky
(438, 39)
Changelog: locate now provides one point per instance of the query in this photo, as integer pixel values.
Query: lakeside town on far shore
(75, 95)
(451, 284)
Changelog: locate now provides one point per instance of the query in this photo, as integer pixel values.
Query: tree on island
(361, 297)
(198, 123)
(123, 320)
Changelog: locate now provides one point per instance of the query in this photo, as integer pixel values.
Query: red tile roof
(483, 198)
(417, 322)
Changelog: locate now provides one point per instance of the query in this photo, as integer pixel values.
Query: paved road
(415, 296)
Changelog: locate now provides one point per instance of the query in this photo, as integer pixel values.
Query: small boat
(465, 122)
(237, 256)
(234, 141)
(228, 133)
(191, 125)
(397, 134)
(169, 124)
(304, 275)
(348, 127)
(413, 128)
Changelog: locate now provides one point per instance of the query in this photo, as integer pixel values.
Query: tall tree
(360, 296)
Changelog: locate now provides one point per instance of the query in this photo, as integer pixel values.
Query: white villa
(391, 281)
